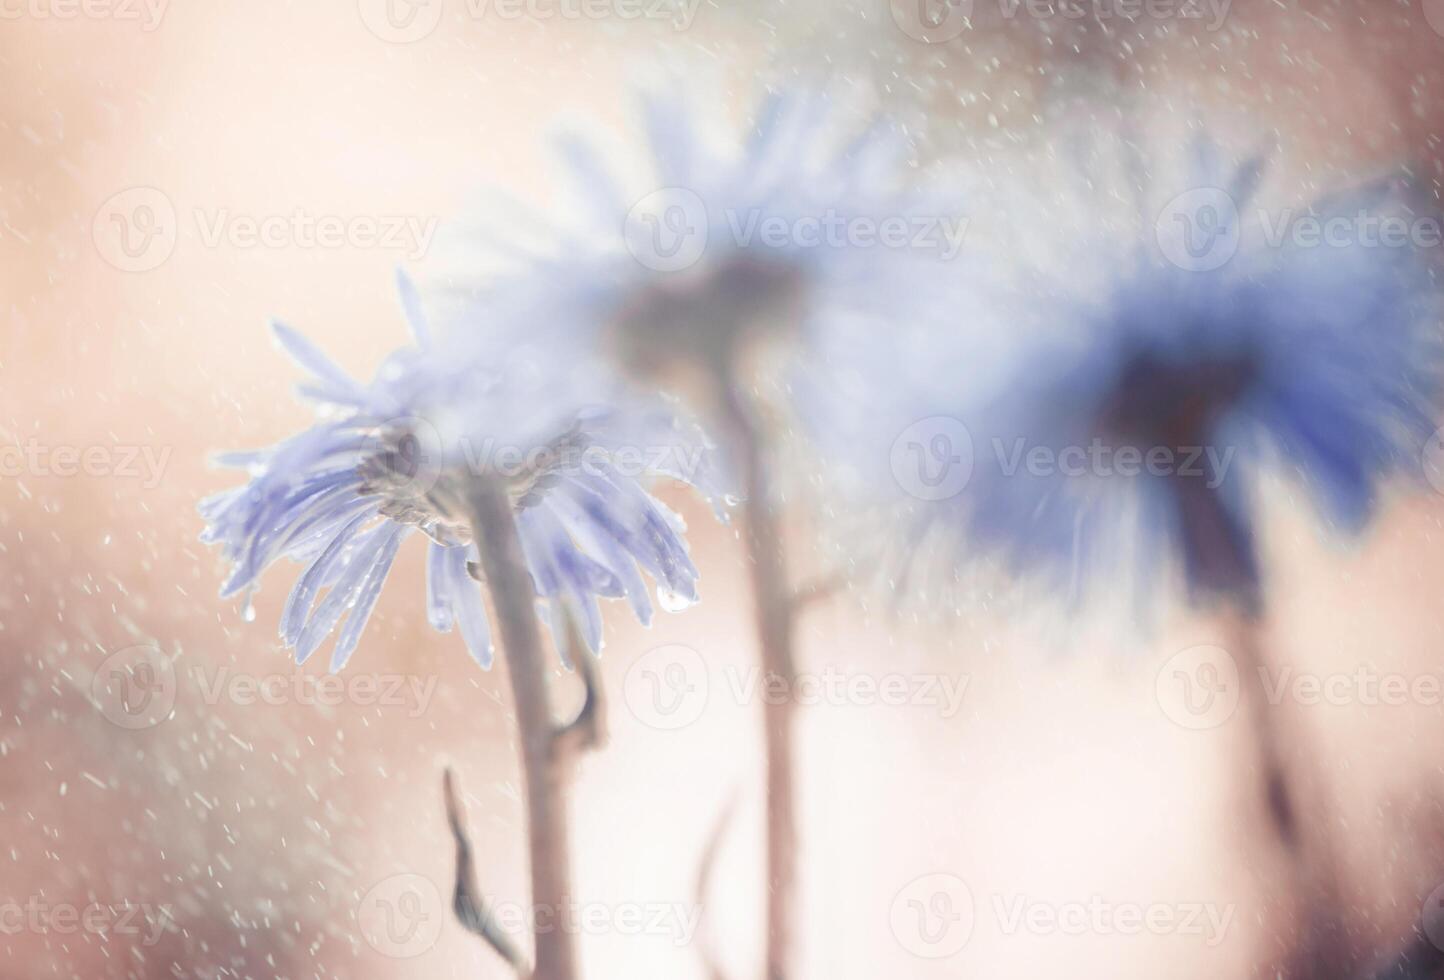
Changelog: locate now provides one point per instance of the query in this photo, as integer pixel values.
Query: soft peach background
(264, 826)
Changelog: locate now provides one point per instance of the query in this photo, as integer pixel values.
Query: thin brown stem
(772, 599)
(545, 770)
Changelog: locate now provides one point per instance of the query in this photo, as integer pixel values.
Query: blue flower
(387, 460)
(1120, 391)
(812, 225)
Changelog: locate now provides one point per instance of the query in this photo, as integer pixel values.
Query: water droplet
(248, 609)
(672, 601)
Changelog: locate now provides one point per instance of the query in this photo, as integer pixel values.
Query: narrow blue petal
(367, 595)
(438, 589)
(470, 611)
(310, 358)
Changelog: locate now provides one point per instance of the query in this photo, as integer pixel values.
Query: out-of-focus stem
(1321, 953)
(545, 770)
(772, 600)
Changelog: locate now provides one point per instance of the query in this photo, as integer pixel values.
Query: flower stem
(773, 607)
(545, 773)
(1321, 952)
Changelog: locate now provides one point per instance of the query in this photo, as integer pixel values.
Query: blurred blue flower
(817, 223)
(389, 459)
(1115, 396)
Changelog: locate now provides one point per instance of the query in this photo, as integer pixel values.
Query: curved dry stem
(705, 868)
(466, 899)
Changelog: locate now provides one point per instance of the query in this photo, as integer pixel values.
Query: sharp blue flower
(385, 462)
(1112, 401)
